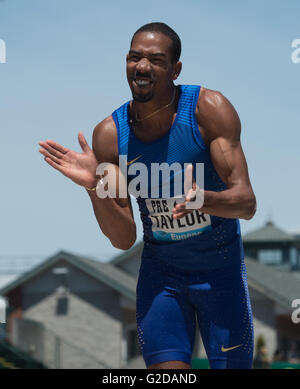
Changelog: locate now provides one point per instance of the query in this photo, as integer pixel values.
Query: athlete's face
(149, 66)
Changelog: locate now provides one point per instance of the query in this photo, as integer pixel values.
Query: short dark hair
(166, 30)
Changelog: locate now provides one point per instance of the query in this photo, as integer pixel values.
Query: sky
(65, 72)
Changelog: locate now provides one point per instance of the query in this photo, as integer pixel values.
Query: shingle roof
(281, 286)
(135, 250)
(104, 272)
(268, 233)
(278, 285)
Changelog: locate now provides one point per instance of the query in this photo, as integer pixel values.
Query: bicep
(105, 148)
(229, 161)
(222, 125)
(105, 141)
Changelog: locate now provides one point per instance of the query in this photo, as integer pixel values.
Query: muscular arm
(220, 126)
(114, 216)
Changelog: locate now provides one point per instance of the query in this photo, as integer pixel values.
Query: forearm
(115, 221)
(230, 203)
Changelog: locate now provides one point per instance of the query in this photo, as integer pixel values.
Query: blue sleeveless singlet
(196, 241)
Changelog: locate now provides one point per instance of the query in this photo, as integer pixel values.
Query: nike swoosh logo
(224, 350)
(133, 160)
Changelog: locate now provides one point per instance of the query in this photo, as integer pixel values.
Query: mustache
(144, 75)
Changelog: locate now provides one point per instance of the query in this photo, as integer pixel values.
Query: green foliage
(260, 342)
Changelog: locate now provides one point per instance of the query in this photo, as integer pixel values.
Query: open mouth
(142, 82)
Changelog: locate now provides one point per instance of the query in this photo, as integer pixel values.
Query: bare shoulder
(105, 141)
(216, 114)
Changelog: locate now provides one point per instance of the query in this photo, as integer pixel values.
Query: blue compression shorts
(170, 300)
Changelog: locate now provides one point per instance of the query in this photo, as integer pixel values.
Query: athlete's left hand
(194, 196)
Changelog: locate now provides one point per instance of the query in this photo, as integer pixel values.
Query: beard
(141, 97)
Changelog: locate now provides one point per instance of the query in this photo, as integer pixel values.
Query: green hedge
(199, 363)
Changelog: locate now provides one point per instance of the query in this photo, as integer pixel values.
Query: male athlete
(193, 262)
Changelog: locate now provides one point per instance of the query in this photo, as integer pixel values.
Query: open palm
(79, 167)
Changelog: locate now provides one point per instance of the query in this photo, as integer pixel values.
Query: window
(294, 258)
(270, 257)
(133, 348)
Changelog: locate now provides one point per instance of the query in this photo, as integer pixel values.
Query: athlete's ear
(177, 70)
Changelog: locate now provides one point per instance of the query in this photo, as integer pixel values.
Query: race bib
(164, 227)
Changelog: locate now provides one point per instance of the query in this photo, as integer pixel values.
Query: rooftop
(269, 233)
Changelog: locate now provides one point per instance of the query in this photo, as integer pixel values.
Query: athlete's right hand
(79, 167)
